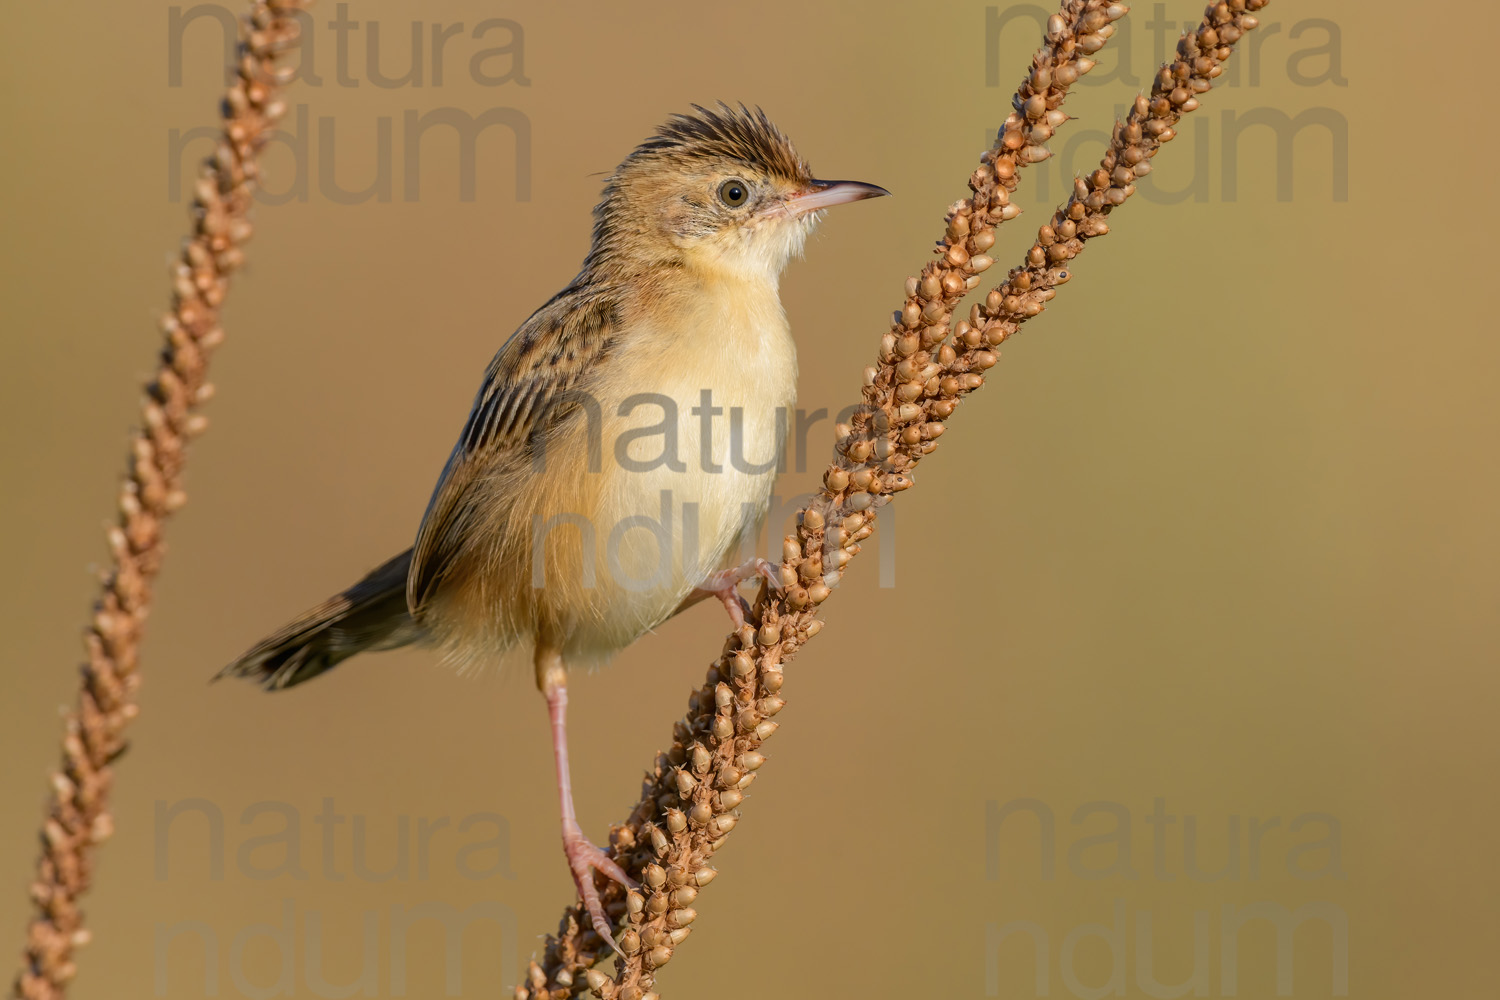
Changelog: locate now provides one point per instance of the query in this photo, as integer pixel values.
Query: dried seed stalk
(78, 816)
(927, 363)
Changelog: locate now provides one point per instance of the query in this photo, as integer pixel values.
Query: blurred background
(1179, 676)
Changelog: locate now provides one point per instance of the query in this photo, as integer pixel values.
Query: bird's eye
(734, 193)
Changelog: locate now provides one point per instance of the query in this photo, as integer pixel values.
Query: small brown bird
(639, 406)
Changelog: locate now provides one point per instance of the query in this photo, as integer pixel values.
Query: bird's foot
(583, 860)
(725, 585)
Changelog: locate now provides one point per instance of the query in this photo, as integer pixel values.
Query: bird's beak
(825, 194)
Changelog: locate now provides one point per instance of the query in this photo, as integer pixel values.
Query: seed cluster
(1135, 141)
(927, 362)
(77, 814)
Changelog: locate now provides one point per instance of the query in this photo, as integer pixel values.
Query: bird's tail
(370, 615)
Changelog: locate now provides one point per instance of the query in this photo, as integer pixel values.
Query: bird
(635, 408)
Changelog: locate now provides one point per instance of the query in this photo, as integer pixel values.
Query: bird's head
(721, 191)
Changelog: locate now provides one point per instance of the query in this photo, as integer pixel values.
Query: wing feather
(531, 384)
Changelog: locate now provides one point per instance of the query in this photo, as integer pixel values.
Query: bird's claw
(725, 585)
(584, 858)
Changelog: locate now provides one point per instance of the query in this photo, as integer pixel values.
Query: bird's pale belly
(684, 485)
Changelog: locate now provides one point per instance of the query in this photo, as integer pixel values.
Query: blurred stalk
(78, 817)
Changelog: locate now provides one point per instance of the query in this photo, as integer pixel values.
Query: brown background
(1222, 532)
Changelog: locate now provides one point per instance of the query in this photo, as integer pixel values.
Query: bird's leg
(583, 857)
(725, 586)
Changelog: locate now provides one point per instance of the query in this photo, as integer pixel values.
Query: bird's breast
(693, 412)
(698, 411)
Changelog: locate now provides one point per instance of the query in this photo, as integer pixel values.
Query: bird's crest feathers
(724, 132)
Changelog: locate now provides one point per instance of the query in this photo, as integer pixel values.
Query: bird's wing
(533, 382)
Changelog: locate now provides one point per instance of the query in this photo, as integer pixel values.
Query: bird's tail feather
(370, 615)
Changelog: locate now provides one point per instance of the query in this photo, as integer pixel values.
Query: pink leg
(725, 586)
(583, 857)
